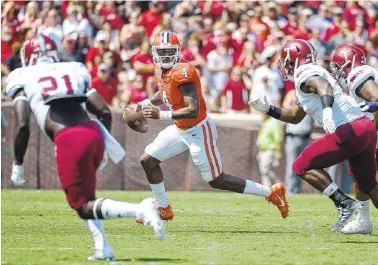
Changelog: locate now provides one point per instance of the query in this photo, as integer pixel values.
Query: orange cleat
(278, 198)
(165, 213)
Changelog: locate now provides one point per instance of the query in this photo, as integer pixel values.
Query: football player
(349, 67)
(349, 134)
(180, 90)
(54, 92)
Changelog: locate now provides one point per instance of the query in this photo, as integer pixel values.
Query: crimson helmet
(39, 48)
(166, 50)
(345, 58)
(293, 54)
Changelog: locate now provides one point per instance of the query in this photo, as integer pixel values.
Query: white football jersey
(345, 109)
(43, 83)
(356, 78)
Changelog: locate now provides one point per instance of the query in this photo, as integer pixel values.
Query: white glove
(328, 123)
(104, 161)
(18, 175)
(259, 104)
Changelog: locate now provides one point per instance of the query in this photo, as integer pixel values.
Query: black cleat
(346, 210)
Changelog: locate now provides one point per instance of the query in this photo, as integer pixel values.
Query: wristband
(165, 115)
(327, 101)
(145, 103)
(19, 98)
(373, 106)
(274, 112)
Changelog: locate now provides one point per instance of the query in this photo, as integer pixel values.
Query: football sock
(159, 193)
(107, 208)
(254, 188)
(95, 228)
(364, 213)
(335, 194)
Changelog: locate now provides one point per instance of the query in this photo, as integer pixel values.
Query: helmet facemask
(166, 57)
(287, 69)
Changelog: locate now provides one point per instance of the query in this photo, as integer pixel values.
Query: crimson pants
(355, 141)
(79, 151)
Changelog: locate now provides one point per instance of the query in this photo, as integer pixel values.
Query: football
(135, 119)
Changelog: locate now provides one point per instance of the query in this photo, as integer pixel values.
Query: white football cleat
(149, 215)
(17, 176)
(358, 227)
(106, 254)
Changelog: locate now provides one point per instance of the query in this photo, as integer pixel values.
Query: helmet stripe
(41, 42)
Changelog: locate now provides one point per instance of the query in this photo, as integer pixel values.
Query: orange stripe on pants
(207, 151)
(212, 148)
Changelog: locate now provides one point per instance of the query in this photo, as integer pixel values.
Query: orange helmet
(166, 50)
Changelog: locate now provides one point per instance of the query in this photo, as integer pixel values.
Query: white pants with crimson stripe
(201, 142)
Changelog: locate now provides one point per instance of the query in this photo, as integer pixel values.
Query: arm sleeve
(14, 83)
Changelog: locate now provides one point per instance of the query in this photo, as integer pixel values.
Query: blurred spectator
(7, 41)
(165, 25)
(136, 91)
(292, 20)
(257, 25)
(105, 85)
(334, 27)
(129, 32)
(267, 80)
(297, 137)
(101, 46)
(9, 16)
(190, 50)
(248, 59)
(75, 22)
(109, 13)
(219, 62)
(235, 94)
(268, 143)
(354, 13)
(51, 28)
(69, 53)
(150, 19)
(142, 61)
(30, 19)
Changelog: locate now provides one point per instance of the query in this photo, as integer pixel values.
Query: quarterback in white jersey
(55, 92)
(349, 66)
(349, 132)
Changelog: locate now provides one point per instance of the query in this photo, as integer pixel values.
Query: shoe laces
(342, 213)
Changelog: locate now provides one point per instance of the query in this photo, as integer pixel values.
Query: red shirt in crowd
(330, 31)
(289, 28)
(216, 9)
(146, 59)
(187, 55)
(149, 20)
(6, 48)
(353, 13)
(107, 89)
(112, 16)
(93, 52)
(137, 95)
(301, 34)
(237, 95)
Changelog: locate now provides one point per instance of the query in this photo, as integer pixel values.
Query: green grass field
(38, 227)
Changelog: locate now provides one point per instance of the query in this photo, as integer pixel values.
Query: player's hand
(17, 176)
(259, 104)
(328, 123)
(151, 112)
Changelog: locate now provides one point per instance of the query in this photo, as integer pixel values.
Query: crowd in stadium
(232, 44)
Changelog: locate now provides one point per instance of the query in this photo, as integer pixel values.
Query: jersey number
(54, 85)
(184, 73)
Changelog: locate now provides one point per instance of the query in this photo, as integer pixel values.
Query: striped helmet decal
(165, 37)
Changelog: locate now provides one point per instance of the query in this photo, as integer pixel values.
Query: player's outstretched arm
(22, 130)
(319, 85)
(368, 91)
(96, 105)
(294, 115)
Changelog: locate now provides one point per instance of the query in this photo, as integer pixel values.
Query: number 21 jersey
(43, 83)
(171, 95)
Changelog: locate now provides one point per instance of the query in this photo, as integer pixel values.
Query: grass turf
(38, 227)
